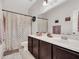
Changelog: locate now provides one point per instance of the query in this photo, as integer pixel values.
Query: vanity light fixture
(45, 2)
(56, 21)
(67, 18)
(33, 18)
(48, 2)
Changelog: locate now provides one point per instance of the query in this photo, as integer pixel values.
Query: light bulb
(44, 3)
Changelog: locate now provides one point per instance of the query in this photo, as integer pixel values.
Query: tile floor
(22, 54)
(26, 54)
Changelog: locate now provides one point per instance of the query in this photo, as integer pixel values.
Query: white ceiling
(20, 6)
(38, 8)
(51, 4)
(29, 6)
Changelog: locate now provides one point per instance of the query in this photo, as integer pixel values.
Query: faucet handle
(64, 37)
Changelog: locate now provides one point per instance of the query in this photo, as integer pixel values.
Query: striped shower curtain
(17, 29)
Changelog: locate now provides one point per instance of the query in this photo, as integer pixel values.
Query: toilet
(24, 45)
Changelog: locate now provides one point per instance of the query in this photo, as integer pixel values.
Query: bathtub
(2, 49)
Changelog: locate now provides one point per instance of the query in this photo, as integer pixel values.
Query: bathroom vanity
(52, 48)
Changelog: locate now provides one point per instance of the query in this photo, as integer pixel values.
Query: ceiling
(38, 8)
(32, 7)
(20, 6)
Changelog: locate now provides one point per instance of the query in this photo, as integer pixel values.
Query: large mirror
(40, 25)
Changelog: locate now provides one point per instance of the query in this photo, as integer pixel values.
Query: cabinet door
(45, 50)
(60, 53)
(30, 44)
(36, 48)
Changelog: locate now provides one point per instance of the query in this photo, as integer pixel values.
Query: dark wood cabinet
(36, 48)
(30, 44)
(62, 53)
(45, 50)
(39, 49)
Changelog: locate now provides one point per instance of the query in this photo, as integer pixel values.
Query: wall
(59, 13)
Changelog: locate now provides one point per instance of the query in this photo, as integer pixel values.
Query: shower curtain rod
(22, 14)
(42, 18)
(15, 12)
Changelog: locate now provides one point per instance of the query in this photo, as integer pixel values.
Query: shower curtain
(1, 26)
(17, 29)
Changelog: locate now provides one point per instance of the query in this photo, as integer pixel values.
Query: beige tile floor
(26, 54)
(22, 54)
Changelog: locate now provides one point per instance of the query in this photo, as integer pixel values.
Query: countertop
(70, 44)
